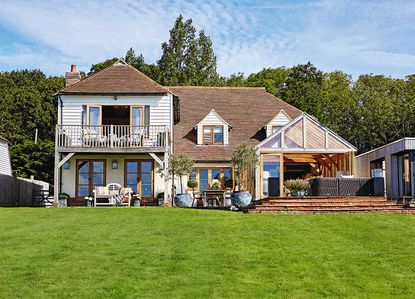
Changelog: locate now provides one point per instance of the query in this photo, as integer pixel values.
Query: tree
(187, 60)
(27, 103)
(95, 68)
(338, 106)
(272, 79)
(302, 88)
(29, 159)
(380, 105)
(243, 160)
(180, 165)
(138, 62)
(236, 80)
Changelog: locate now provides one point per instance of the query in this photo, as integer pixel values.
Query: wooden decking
(328, 205)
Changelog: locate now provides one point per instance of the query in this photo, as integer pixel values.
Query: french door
(89, 174)
(139, 177)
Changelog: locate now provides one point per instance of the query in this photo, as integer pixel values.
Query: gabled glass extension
(303, 148)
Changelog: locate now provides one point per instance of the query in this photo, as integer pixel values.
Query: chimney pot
(72, 77)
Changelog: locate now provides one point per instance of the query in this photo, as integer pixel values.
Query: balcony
(112, 138)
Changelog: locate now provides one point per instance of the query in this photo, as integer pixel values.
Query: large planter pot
(62, 203)
(298, 193)
(183, 200)
(241, 198)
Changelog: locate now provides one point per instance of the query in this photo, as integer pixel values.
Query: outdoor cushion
(101, 191)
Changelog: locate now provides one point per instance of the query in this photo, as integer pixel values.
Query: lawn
(174, 253)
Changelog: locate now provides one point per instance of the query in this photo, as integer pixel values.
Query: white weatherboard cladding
(160, 107)
(5, 164)
(280, 120)
(212, 119)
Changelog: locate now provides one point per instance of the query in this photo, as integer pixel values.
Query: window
(139, 177)
(90, 174)
(84, 113)
(94, 118)
(212, 134)
(275, 128)
(205, 177)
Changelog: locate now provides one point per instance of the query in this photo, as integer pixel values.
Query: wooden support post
(166, 175)
(56, 173)
(352, 170)
(282, 175)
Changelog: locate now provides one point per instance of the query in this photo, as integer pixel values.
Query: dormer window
(276, 128)
(212, 134)
(213, 130)
(279, 120)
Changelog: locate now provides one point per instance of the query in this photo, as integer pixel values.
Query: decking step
(396, 211)
(326, 208)
(343, 199)
(327, 205)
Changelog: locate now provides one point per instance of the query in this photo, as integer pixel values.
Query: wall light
(66, 165)
(114, 164)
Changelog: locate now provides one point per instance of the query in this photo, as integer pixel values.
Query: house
(395, 162)
(120, 126)
(113, 127)
(290, 143)
(5, 162)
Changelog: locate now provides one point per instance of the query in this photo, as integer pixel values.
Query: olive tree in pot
(192, 184)
(181, 165)
(244, 159)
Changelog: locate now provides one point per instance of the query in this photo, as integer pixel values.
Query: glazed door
(89, 174)
(139, 177)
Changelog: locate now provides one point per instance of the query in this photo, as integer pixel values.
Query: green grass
(129, 253)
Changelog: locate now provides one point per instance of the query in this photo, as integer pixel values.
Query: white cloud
(349, 35)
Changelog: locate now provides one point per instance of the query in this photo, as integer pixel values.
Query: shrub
(297, 185)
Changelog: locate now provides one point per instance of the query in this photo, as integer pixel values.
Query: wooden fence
(15, 192)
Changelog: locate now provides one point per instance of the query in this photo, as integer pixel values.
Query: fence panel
(15, 192)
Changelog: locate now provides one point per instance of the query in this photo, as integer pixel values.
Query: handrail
(112, 136)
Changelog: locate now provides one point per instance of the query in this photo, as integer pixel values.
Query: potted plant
(135, 200)
(160, 198)
(181, 165)
(297, 187)
(244, 159)
(192, 184)
(63, 200)
(216, 185)
(88, 201)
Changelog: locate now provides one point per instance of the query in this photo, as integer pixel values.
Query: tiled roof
(119, 78)
(247, 109)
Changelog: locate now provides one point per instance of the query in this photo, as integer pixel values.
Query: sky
(357, 37)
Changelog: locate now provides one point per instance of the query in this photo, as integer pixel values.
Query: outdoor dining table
(217, 196)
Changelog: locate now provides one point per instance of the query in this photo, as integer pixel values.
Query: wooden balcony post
(111, 135)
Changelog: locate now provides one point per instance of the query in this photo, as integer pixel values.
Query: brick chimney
(72, 77)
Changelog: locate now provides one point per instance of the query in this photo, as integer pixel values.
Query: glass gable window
(212, 134)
